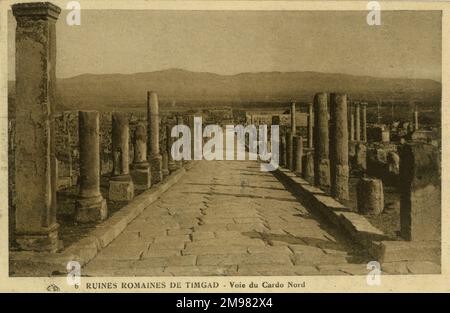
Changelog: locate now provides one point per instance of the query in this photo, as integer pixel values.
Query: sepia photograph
(148, 141)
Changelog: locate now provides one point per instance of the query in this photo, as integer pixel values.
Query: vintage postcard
(224, 146)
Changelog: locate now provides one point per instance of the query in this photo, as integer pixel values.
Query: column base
(121, 188)
(45, 240)
(156, 169)
(308, 167)
(142, 177)
(172, 166)
(91, 209)
(322, 177)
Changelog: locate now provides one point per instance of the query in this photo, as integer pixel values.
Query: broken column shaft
(121, 187)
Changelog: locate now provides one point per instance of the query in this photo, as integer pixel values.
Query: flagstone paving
(227, 218)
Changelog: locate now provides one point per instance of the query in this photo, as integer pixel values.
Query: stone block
(121, 190)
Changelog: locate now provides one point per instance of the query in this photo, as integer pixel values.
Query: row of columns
(419, 174)
(358, 122)
(36, 227)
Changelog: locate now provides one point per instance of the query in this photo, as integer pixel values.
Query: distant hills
(113, 91)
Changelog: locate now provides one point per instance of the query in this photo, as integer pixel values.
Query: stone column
(164, 144)
(191, 127)
(35, 170)
(357, 122)
(420, 192)
(352, 124)
(289, 150)
(298, 154)
(364, 122)
(308, 167)
(339, 146)
(360, 157)
(370, 196)
(310, 125)
(141, 174)
(416, 119)
(90, 205)
(179, 121)
(321, 141)
(283, 161)
(154, 156)
(121, 187)
(293, 126)
(171, 162)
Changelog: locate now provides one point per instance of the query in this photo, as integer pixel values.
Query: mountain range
(112, 91)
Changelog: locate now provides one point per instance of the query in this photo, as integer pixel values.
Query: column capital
(40, 10)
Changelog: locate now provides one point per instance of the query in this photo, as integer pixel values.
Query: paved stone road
(227, 218)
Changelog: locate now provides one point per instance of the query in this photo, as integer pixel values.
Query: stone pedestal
(90, 205)
(298, 154)
(339, 146)
(141, 168)
(321, 141)
(370, 196)
(154, 155)
(35, 161)
(121, 187)
(420, 192)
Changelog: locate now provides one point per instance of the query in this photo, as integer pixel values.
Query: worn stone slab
(395, 251)
(244, 259)
(201, 270)
(360, 228)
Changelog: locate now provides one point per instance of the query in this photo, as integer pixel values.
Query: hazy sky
(407, 44)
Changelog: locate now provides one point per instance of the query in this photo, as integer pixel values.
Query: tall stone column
(164, 144)
(364, 122)
(179, 121)
(321, 141)
(153, 135)
(141, 174)
(121, 187)
(289, 150)
(298, 154)
(339, 169)
(310, 126)
(416, 118)
(358, 122)
(191, 127)
(90, 205)
(352, 124)
(283, 161)
(293, 126)
(35, 170)
(171, 162)
(420, 192)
